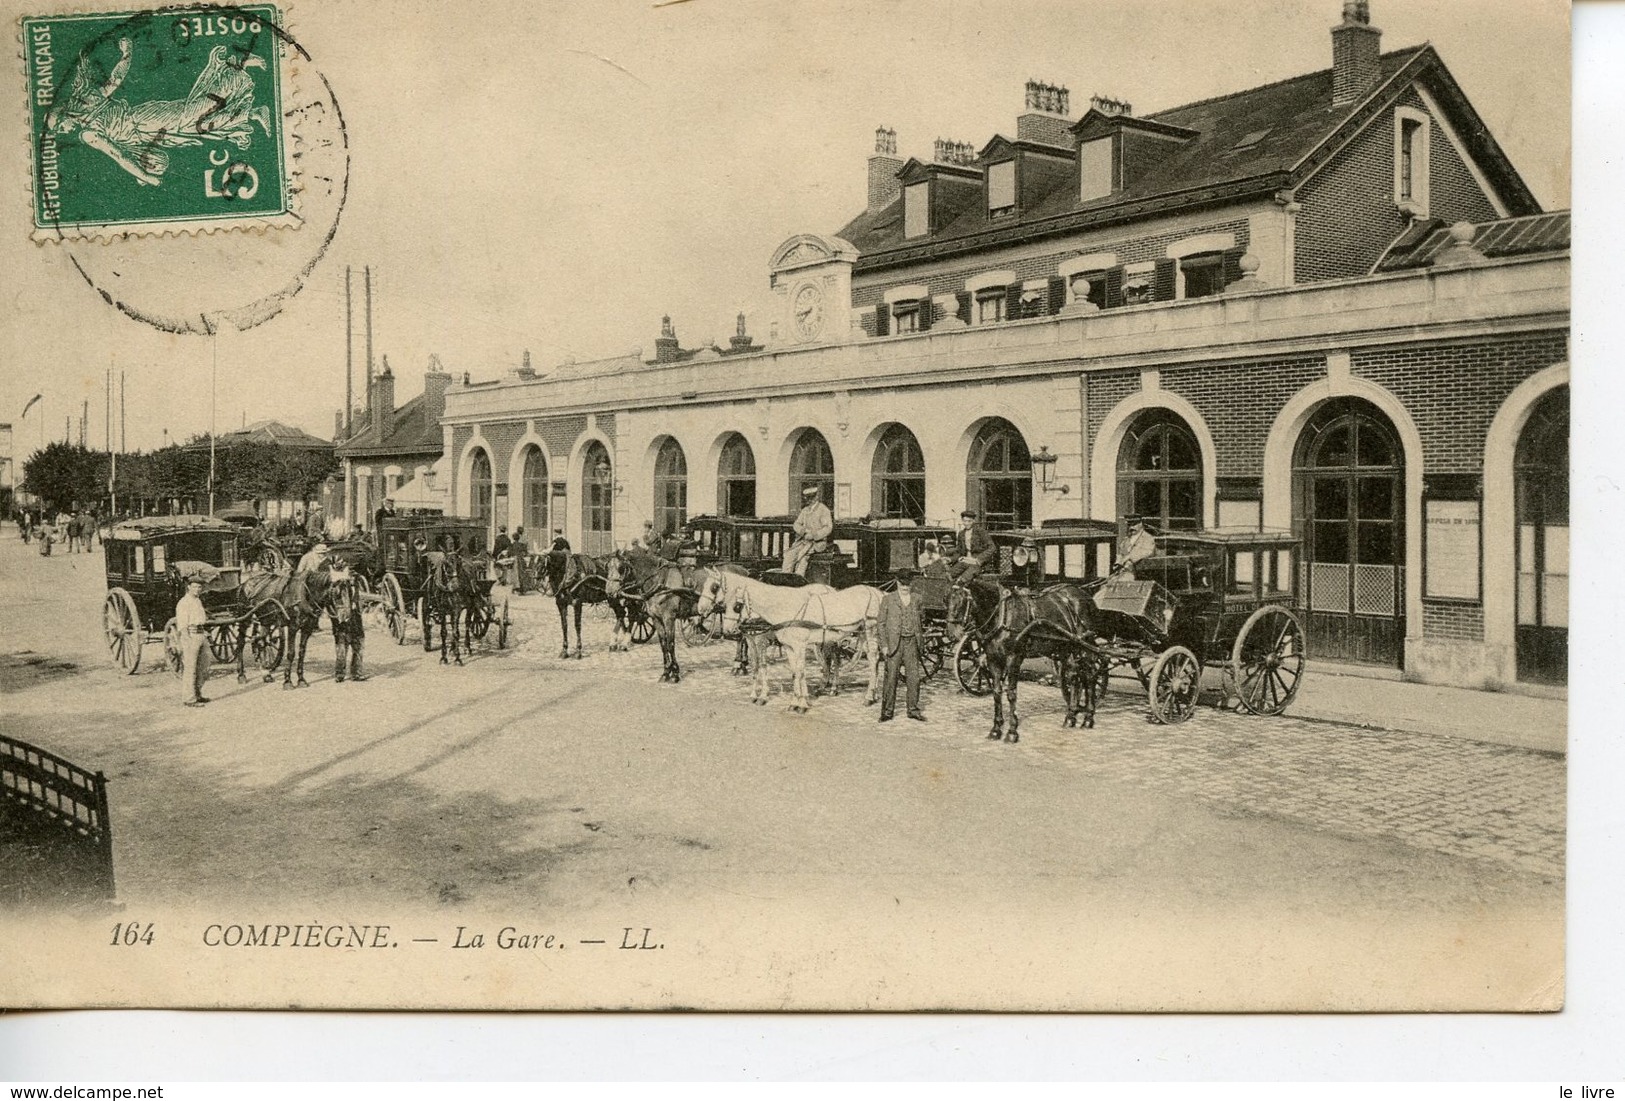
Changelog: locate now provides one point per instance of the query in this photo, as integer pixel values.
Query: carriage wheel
(223, 642)
(935, 642)
(702, 630)
(479, 618)
(502, 628)
(394, 605)
(1266, 664)
(172, 648)
(122, 627)
(1176, 682)
(970, 666)
(266, 636)
(643, 626)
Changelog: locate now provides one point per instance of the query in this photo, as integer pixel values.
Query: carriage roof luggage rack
(1063, 523)
(145, 526)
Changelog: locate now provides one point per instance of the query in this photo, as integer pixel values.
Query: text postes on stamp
(161, 120)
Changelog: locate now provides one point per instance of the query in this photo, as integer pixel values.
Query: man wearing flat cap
(814, 524)
(899, 631)
(976, 548)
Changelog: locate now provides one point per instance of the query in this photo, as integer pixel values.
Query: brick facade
(1453, 622)
(1240, 402)
(1454, 390)
(1349, 217)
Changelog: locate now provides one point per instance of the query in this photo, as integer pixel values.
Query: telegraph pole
(368, 272)
(214, 371)
(349, 355)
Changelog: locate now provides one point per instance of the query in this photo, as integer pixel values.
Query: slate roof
(413, 433)
(1248, 142)
(269, 432)
(1421, 244)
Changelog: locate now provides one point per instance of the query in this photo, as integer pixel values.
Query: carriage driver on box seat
(813, 526)
(977, 551)
(312, 559)
(191, 621)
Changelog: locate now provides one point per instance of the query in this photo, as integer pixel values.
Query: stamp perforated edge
(290, 90)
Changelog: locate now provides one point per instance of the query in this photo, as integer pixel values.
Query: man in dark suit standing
(899, 632)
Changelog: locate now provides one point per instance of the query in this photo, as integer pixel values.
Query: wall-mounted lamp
(603, 474)
(1044, 467)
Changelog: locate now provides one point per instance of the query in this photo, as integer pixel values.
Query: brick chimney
(383, 402)
(666, 346)
(1045, 119)
(883, 166)
(1356, 54)
(435, 381)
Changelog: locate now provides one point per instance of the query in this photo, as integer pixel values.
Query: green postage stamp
(164, 120)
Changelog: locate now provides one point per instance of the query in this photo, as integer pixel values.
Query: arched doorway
(480, 487)
(534, 494)
(999, 477)
(671, 488)
(736, 478)
(1349, 506)
(812, 464)
(597, 500)
(1541, 501)
(1159, 472)
(898, 488)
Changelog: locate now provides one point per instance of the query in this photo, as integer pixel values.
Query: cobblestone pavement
(1449, 795)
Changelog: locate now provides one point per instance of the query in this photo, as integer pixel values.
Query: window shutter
(1012, 301)
(1163, 280)
(928, 313)
(1232, 265)
(964, 299)
(1114, 288)
(882, 320)
(1057, 293)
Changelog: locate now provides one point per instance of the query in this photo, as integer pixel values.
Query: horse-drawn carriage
(149, 562)
(408, 548)
(1212, 599)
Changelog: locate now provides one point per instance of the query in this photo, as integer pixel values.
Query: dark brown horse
(667, 594)
(578, 579)
(1059, 623)
(302, 598)
(449, 592)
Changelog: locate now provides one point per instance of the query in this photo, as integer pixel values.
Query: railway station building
(1328, 304)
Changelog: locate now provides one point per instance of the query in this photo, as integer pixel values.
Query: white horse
(798, 618)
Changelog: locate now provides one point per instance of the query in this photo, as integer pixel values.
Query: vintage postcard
(730, 506)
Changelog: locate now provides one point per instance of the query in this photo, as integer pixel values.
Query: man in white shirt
(192, 621)
(813, 525)
(312, 559)
(1135, 547)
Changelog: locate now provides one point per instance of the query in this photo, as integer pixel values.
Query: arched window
(812, 464)
(1541, 466)
(1159, 472)
(1349, 503)
(899, 476)
(480, 488)
(736, 478)
(535, 494)
(598, 500)
(671, 488)
(999, 476)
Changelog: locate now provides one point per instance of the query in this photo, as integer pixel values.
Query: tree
(66, 476)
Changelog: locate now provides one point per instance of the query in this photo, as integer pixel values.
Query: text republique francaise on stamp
(156, 121)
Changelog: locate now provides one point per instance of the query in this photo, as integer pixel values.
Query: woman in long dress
(220, 107)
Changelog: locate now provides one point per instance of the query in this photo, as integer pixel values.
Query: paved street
(521, 781)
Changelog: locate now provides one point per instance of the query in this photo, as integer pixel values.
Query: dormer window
(1001, 189)
(917, 210)
(1411, 137)
(1095, 169)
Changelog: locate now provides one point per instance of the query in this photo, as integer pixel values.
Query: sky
(556, 177)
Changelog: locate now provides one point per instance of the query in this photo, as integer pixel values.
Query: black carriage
(1079, 551)
(403, 544)
(1213, 599)
(756, 544)
(149, 562)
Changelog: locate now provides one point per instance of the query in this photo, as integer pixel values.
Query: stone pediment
(808, 249)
